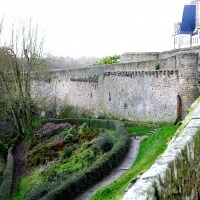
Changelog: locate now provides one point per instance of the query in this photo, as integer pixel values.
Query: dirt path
(18, 165)
(119, 171)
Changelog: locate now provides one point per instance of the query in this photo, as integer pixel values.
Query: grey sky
(100, 27)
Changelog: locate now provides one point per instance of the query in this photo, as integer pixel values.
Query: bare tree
(19, 59)
(70, 63)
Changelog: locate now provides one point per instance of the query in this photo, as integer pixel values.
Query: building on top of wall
(187, 32)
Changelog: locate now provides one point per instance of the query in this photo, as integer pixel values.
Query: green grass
(139, 130)
(149, 124)
(29, 182)
(76, 161)
(150, 149)
(37, 176)
(36, 122)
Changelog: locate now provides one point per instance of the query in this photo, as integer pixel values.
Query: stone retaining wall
(176, 174)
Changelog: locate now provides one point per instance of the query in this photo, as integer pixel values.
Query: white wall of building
(182, 41)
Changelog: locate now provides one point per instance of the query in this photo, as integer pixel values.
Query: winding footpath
(126, 164)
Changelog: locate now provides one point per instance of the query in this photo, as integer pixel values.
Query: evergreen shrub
(3, 147)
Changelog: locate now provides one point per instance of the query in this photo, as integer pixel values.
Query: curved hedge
(7, 175)
(77, 184)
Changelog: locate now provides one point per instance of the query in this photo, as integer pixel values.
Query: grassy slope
(151, 148)
(74, 163)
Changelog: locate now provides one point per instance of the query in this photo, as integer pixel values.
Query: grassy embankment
(139, 130)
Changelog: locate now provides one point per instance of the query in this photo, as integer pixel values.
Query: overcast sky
(100, 27)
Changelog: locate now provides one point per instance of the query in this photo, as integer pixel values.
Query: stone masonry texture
(132, 90)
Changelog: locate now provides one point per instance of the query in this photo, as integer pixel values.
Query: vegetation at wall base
(151, 148)
(70, 111)
(148, 124)
(67, 112)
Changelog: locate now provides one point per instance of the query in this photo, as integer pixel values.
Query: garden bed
(72, 159)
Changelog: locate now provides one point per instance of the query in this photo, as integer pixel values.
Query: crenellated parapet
(93, 79)
(133, 74)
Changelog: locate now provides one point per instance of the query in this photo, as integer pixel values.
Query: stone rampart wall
(140, 95)
(176, 174)
(133, 90)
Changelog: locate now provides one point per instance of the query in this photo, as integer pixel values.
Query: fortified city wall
(132, 89)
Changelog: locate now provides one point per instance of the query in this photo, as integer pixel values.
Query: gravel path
(119, 171)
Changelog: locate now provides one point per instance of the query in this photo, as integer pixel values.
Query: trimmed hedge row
(6, 183)
(77, 184)
(7, 176)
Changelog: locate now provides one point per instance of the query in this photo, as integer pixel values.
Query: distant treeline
(70, 63)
